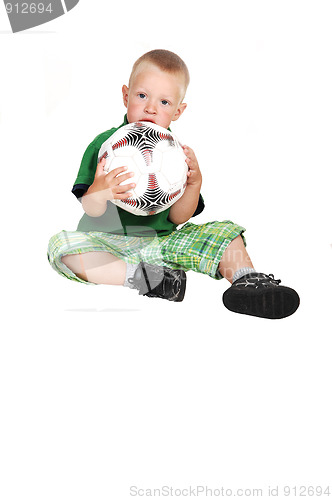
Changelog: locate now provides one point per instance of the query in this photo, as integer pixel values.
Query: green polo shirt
(115, 220)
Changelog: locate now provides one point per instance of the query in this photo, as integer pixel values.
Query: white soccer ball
(157, 160)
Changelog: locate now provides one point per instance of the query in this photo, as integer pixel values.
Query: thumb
(100, 166)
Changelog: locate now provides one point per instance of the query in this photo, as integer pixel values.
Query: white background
(102, 389)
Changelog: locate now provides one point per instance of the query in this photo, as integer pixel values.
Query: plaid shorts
(193, 247)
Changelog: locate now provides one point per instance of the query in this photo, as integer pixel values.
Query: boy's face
(154, 95)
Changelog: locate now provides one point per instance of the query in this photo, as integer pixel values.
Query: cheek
(133, 108)
(132, 105)
(167, 112)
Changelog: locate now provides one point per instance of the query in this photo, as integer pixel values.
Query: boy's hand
(194, 173)
(184, 208)
(107, 184)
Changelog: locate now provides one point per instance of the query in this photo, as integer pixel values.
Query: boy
(112, 246)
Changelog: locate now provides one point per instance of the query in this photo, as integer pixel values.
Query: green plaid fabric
(194, 247)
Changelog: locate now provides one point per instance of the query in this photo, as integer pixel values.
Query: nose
(150, 108)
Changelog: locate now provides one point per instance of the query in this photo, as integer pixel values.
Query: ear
(125, 92)
(179, 111)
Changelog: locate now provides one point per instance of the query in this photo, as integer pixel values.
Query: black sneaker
(260, 295)
(159, 281)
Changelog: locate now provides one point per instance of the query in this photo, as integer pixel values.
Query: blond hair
(166, 61)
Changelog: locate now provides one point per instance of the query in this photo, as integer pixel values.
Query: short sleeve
(86, 173)
(200, 206)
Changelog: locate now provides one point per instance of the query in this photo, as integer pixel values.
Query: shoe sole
(182, 291)
(276, 303)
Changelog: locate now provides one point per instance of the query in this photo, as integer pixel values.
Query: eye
(141, 95)
(164, 102)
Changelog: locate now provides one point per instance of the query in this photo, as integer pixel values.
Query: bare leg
(235, 257)
(101, 268)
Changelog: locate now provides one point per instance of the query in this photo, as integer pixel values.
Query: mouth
(147, 120)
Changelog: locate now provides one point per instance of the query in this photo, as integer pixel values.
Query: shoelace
(257, 281)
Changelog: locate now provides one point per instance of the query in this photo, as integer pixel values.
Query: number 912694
(29, 8)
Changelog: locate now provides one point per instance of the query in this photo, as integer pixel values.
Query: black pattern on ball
(145, 139)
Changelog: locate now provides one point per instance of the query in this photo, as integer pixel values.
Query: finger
(122, 178)
(116, 171)
(189, 155)
(124, 188)
(122, 196)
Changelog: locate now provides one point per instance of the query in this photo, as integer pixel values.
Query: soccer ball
(157, 160)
